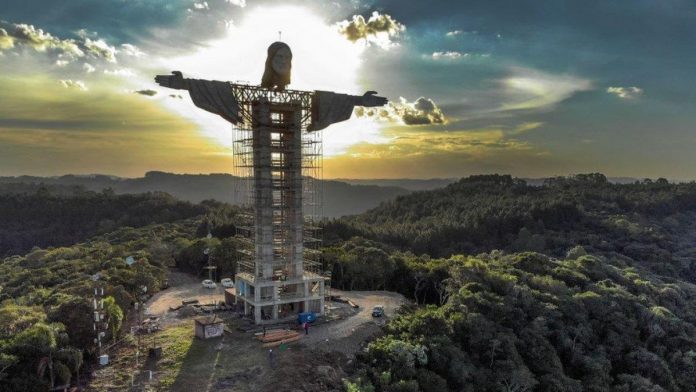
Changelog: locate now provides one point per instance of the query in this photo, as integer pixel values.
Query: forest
(576, 284)
(46, 334)
(52, 216)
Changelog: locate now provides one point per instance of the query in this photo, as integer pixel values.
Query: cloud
(626, 92)
(37, 39)
(525, 127)
(448, 55)
(88, 68)
(100, 49)
(454, 33)
(528, 89)
(421, 112)
(65, 51)
(130, 50)
(147, 92)
(379, 29)
(73, 84)
(454, 55)
(119, 72)
(6, 40)
(201, 6)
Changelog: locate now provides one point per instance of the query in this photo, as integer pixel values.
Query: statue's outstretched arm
(370, 99)
(211, 95)
(175, 80)
(329, 108)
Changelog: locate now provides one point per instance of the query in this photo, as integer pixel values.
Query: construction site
(280, 161)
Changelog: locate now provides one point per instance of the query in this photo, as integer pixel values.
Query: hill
(340, 198)
(649, 220)
(68, 216)
(605, 302)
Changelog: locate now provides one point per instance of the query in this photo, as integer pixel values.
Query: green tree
(114, 316)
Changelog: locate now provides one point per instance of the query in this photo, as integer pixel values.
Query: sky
(532, 88)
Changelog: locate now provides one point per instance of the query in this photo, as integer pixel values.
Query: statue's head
(278, 65)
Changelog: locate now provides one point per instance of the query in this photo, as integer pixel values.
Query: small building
(207, 327)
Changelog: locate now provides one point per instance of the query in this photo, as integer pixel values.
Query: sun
(322, 60)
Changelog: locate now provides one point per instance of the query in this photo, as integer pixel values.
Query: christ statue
(276, 280)
(214, 96)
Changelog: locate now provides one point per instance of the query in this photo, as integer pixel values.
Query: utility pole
(139, 291)
(99, 324)
(327, 273)
(139, 309)
(207, 252)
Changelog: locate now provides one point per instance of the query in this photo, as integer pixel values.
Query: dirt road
(347, 335)
(182, 286)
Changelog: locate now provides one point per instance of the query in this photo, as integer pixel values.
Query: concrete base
(270, 301)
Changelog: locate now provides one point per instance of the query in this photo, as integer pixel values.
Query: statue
(277, 144)
(214, 96)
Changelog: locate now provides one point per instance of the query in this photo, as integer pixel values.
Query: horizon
(144, 175)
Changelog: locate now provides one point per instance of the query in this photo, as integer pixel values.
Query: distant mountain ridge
(415, 184)
(407, 183)
(340, 198)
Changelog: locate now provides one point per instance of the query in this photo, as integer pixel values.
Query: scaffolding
(278, 162)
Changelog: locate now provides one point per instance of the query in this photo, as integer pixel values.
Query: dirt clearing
(237, 361)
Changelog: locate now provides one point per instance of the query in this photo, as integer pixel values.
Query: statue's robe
(329, 108)
(215, 97)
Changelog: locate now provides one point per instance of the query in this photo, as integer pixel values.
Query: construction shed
(207, 327)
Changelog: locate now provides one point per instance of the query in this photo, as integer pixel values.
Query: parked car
(227, 282)
(209, 284)
(378, 311)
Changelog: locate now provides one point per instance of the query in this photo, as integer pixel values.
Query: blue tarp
(306, 317)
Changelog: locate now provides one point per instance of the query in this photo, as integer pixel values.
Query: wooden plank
(279, 342)
(273, 338)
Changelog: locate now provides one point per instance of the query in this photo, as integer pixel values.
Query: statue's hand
(370, 99)
(175, 80)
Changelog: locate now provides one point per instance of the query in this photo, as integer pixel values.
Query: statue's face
(281, 61)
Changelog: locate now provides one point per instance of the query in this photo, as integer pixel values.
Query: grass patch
(176, 343)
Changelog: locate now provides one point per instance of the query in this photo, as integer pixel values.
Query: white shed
(207, 327)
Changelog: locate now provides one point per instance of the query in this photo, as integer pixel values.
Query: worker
(270, 357)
